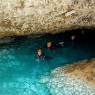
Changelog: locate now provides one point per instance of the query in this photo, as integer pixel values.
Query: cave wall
(23, 17)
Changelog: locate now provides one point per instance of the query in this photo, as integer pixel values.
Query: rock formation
(75, 79)
(23, 17)
(83, 69)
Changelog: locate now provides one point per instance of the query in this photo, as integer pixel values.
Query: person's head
(39, 52)
(73, 37)
(49, 44)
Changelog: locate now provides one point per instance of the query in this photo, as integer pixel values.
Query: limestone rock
(23, 17)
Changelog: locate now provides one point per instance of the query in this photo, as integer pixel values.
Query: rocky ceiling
(24, 17)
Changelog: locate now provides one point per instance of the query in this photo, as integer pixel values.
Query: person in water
(73, 37)
(40, 54)
(51, 46)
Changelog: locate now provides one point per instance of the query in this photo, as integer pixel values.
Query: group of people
(50, 45)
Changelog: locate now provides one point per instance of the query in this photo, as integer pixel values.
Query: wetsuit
(42, 56)
(61, 44)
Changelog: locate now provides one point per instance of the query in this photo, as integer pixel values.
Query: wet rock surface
(5, 40)
(72, 80)
(24, 17)
(84, 69)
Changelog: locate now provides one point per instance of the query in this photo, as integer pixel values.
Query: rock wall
(23, 17)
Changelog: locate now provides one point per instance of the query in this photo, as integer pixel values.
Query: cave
(23, 73)
(47, 47)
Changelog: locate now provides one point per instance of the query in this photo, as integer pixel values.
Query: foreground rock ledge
(75, 79)
(24, 17)
(83, 69)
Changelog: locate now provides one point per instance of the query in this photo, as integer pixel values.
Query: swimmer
(40, 54)
(73, 37)
(51, 46)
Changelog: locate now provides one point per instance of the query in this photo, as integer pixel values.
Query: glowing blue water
(20, 73)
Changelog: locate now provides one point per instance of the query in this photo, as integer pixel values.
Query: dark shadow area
(81, 35)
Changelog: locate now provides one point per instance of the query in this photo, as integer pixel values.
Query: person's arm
(61, 43)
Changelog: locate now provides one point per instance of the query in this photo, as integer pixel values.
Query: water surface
(20, 72)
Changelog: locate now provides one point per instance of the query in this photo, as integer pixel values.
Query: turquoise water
(20, 72)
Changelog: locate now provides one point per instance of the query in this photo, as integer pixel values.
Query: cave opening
(22, 73)
(81, 35)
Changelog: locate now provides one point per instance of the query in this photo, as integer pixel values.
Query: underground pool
(21, 72)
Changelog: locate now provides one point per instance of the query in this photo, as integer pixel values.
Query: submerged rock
(72, 79)
(24, 17)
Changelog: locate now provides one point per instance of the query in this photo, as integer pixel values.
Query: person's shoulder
(53, 47)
